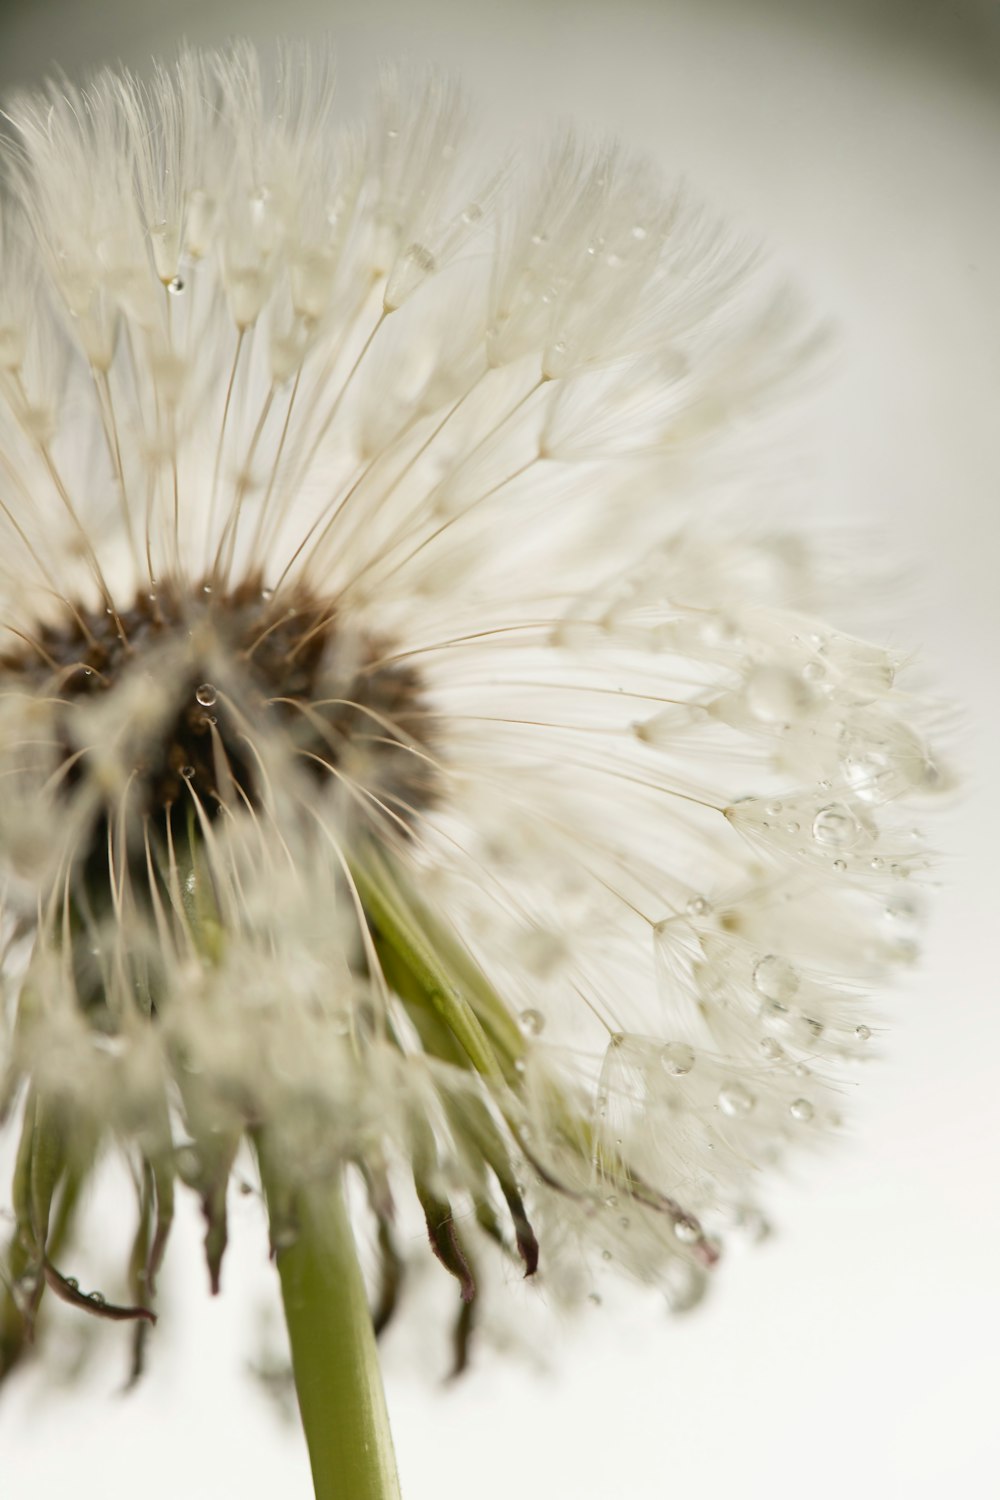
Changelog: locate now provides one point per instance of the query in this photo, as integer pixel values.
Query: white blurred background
(855, 1352)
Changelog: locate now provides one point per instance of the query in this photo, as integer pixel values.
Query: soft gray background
(855, 1353)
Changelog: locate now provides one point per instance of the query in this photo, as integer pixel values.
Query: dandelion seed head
(396, 760)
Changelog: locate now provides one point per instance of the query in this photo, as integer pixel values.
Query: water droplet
(863, 1033)
(677, 1058)
(421, 257)
(533, 1022)
(775, 695)
(624, 1221)
(840, 865)
(687, 1231)
(72, 1283)
(735, 1100)
(175, 286)
(698, 907)
(206, 588)
(835, 826)
(771, 1049)
(206, 694)
(594, 1298)
(639, 231)
(612, 1200)
(775, 978)
(97, 1298)
(188, 772)
(605, 1254)
(774, 808)
(791, 827)
(801, 1109)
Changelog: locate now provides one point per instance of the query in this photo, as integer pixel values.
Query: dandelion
(404, 777)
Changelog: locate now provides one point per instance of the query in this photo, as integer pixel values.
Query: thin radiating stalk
(334, 1356)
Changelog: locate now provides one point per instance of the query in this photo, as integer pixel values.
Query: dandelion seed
(507, 841)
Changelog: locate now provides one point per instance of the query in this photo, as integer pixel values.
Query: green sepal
(443, 973)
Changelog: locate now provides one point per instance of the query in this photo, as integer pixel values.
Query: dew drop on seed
(863, 1033)
(775, 696)
(422, 258)
(533, 1022)
(801, 1109)
(771, 1049)
(188, 772)
(686, 1231)
(775, 978)
(840, 866)
(97, 1298)
(677, 1058)
(206, 694)
(835, 827)
(175, 286)
(72, 1283)
(735, 1100)
(697, 907)
(605, 1254)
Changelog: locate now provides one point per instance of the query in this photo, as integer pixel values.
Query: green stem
(334, 1355)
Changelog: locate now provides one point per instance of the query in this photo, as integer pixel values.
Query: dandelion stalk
(334, 1356)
